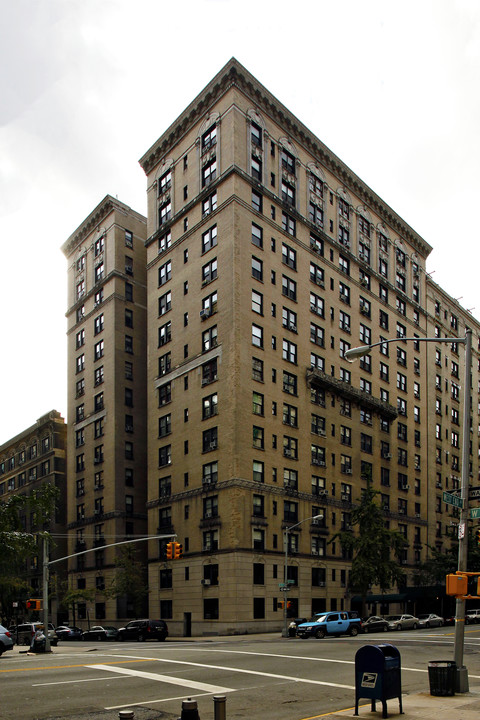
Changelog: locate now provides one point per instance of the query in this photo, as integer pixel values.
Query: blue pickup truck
(331, 623)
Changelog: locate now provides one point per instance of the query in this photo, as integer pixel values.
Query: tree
(18, 544)
(442, 562)
(130, 580)
(375, 550)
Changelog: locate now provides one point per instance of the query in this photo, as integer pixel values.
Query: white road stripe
(205, 687)
(243, 671)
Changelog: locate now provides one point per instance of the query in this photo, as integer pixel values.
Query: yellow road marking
(61, 667)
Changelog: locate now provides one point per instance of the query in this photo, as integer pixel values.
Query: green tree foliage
(130, 580)
(17, 544)
(374, 549)
(440, 563)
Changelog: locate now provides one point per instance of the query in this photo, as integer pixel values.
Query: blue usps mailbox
(378, 675)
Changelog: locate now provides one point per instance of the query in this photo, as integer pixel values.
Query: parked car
(472, 616)
(430, 620)
(449, 619)
(67, 632)
(101, 632)
(374, 623)
(402, 622)
(330, 623)
(26, 631)
(6, 640)
(144, 630)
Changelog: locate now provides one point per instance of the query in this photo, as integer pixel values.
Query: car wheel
(426, 625)
(120, 637)
(353, 631)
(414, 627)
(399, 627)
(385, 628)
(440, 624)
(141, 638)
(320, 634)
(84, 637)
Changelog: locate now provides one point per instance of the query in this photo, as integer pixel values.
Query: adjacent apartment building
(209, 395)
(33, 458)
(106, 316)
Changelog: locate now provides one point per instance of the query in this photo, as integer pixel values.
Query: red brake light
(8, 634)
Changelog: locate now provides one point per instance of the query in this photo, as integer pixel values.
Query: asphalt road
(265, 677)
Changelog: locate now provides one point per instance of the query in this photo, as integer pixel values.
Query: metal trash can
(442, 675)
(378, 675)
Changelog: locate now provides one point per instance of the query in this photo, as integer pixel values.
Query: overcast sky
(87, 86)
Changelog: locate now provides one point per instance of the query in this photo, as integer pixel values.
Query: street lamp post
(358, 352)
(285, 573)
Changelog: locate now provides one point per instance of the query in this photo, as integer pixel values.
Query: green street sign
(452, 500)
(475, 513)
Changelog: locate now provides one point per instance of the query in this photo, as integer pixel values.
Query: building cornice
(96, 217)
(233, 74)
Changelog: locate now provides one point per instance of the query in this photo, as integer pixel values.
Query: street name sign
(475, 513)
(452, 500)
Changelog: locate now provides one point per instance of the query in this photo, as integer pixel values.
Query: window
(257, 201)
(210, 439)
(289, 319)
(80, 339)
(209, 172)
(164, 242)
(257, 403)
(344, 236)
(289, 288)
(257, 235)
(257, 369)
(258, 439)
(209, 338)
(164, 334)
(289, 351)
(257, 336)
(344, 292)
(287, 161)
(256, 134)
(99, 350)
(288, 224)
(344, 264)
(258, 471)
(165, 303)
(317, 335)
(209, 204)
(289, 256)
(209, 271)
(257, 268)
(317, 275)
(315, 214)
(364, 226)
(257, 302)
(288, 193)
(365, 334)
(164, 455)
(209, 406)
(165, 273)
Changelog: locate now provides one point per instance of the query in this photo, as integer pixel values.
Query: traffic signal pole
(47, 563)
(462, 672)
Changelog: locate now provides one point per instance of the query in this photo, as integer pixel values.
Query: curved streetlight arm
(362, 350)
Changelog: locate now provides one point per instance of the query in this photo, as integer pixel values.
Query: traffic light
(474, 586)
(34, 604)
(457, 585)
(280, 604)
(170, 550)
(177, 551)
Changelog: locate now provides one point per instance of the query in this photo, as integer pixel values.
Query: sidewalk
(463, 706)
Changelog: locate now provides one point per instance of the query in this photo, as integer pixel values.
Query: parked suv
(473, 616)
(25, 632)
(144, 630)
(330, 623)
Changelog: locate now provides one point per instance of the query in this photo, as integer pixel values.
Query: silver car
(430, 620)
(402, 622)
(6, 640)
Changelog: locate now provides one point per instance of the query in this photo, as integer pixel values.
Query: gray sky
(87, 86)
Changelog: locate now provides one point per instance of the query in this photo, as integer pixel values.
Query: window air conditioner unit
(213, 446)
(314, 552)
(205, 581)
(386, 508)
(345, 497)
(388, 456)
(348, 471)
(208, 514)
(204, 314)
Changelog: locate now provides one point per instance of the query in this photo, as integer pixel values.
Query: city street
(261, 676)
